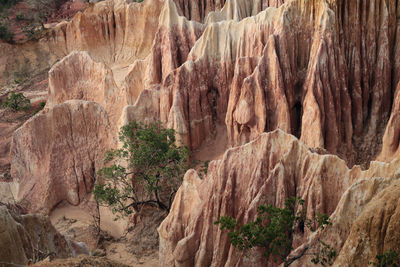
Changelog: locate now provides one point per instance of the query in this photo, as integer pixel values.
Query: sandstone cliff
(324, 72)
(57, 152)
(291, 68)
(281, 167)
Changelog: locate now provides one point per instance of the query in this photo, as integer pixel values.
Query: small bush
(389, 259)
(203, 169)
(20, 16)
(40, 107)
(6, 34)
(273, 230)
(17, 102)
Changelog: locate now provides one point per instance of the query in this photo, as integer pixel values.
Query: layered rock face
(324, 71)
(374, 232)
(291, 68)
(57, 152)
(77, 76)
(28, 238)
(111, 31)
(281, 167)
(198, 10)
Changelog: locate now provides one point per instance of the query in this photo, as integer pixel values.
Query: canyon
(286, 98)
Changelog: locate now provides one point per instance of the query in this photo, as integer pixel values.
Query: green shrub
(273, 231)
(325, 256)
(389, 259)
(20, 16)
(16, 102)
(147, 170)
(6, 34)
(20, 76)
(40, 107)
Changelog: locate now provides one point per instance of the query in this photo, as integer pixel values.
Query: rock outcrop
(375, 231)
(77, 76)
(324, 71)
(111, 31)
(391, 138)
(290, 68)
(27, 238)
(281, 167)
(198, 10)
(57, 153)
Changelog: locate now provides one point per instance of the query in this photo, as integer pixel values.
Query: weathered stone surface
(25, 238)
(111, 31)
(198, 10)
(56, 154)
(280, 167)
(326, 71)
(77, 76)
(96, 76)
(172, 43)
(146, 109)
(114, 31)
(391, 138)
(375, 231)
(26, 60)
(308, 81)
(349, 209)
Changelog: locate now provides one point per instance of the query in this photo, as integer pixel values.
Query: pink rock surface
(280, 167)
(56, 154)
(325, 71)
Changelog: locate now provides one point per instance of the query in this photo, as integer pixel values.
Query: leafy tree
(273, 230)
(389, 259)
(147, 170)
(17, 102)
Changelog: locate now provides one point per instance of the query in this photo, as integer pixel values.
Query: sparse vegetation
(20, 16)
(389, 259)
(147, 170)
(203, 169)
(6, 4)
(7, 176)
(16, 102)
(33, 29)
(5, 33)
(40, 107)
(30, 19)
(273, 230)
(17, 78)
(325, 256)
